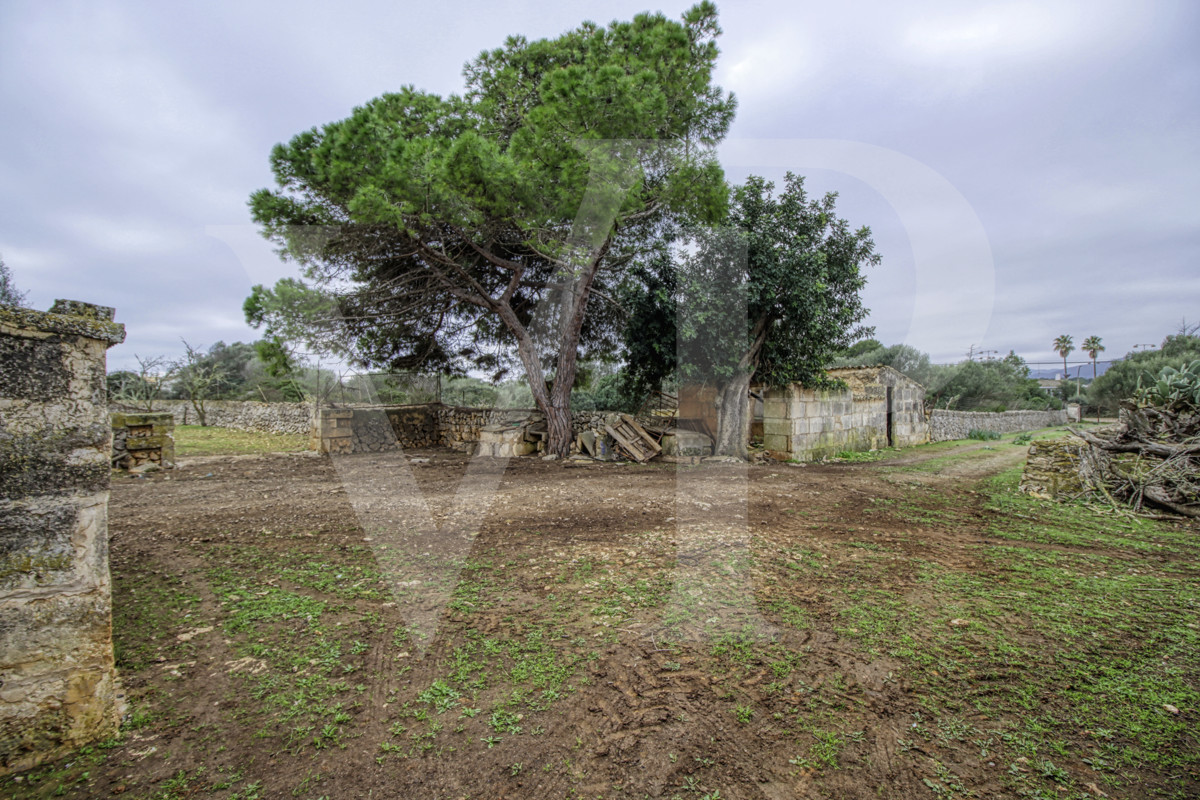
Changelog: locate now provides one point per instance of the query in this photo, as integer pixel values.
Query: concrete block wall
(58, 688)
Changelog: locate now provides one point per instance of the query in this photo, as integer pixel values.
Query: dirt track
(619, 630)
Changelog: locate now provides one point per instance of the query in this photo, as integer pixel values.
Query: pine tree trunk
(733, 417)
(558, 426)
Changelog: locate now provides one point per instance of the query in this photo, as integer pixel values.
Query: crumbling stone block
(58, 688)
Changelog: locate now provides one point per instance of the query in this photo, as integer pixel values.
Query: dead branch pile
(1151, 458)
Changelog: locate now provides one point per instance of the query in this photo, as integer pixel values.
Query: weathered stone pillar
(333, 431)
(57, 681)
(143, 441)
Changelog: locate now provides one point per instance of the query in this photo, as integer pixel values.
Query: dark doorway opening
(891, 438)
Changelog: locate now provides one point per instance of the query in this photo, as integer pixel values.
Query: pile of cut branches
(1152, 458)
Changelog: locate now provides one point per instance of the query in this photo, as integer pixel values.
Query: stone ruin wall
(945, 426)
(810, 424)
(142, 441)
(58, 688)
(372, 430)
(1052, 469)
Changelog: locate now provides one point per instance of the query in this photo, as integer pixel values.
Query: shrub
(984, 436)
(1173, 389)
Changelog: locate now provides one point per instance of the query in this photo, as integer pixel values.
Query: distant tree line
(1002, 384)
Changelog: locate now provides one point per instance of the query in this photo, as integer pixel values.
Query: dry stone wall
(1053, 468)
(371, 430)
(140, 440)
(58, 688)
(945, 426)
(243, 415)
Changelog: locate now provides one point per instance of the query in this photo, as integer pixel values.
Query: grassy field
(194, 440)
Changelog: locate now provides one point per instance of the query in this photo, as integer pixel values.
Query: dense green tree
(995, 385)
(650, 335)
(900, 357)
(860, 353)
(770, 297)
(459, 227)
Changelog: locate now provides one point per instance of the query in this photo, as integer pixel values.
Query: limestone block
(776, 443)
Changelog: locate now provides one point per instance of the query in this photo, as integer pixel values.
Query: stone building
(879, 407)
(58, 687)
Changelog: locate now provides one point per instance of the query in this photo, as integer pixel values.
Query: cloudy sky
(1029, 168)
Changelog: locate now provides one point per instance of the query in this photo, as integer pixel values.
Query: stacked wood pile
(1151, 459)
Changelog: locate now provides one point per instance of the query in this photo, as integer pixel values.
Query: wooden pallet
(634, 439)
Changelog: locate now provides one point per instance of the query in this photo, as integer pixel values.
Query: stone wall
(945, 426)
(370, 430)
(142, 441)
(808, 424)
(57, 681)
(1052, 469)
(243, 415)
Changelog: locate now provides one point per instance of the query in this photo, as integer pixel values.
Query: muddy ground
(422, 625)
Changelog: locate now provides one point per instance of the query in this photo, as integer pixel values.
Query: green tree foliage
(650, 335)
(900, 357)
(996, 385)
(9, 296)
(858, 353)
(447, 223)
(1120, 381)
(771, 297)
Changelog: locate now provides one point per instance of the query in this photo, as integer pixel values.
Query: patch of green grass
(1078, 628)
(194, 440)
(149, 609)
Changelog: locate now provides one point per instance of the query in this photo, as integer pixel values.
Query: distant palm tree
(1064, 345)
(1091, 345)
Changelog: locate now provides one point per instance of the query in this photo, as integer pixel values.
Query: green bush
(983, 436)
(1173, 389)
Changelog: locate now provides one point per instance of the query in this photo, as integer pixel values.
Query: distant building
(1049, 385)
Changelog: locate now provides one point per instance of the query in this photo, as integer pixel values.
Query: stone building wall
(945, 426)
(57, 682)
(808, 424)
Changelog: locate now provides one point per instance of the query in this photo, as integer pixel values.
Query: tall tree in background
(772, 297)
(1093, 347)
(199, 378)
(451, 224)
(9, 296)
(1063, 345)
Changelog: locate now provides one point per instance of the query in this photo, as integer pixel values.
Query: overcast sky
(1028, 168)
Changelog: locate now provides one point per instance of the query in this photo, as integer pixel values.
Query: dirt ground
(423, 625)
